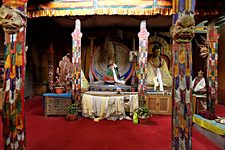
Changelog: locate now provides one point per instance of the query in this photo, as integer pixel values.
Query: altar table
(108, 105)
(111, 88)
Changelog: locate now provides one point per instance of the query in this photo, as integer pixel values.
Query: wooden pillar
(133, 44)
(133, 60)
(91, 56)
(142, 62)
(212, 67)
(51, 68)
(13, 114)
(76, 60)
(182, 32)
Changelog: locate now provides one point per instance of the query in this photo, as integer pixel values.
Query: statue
(110, 64)
(198, 84)
(112, 72)
(65, 74)
(157, 70)
(65, 70)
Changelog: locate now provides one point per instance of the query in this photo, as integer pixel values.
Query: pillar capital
(76, 35)
(143, 34)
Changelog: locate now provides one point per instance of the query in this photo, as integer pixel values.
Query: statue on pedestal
(157, 70)
(112, 72)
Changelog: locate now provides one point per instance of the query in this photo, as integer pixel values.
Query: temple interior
(110, 66)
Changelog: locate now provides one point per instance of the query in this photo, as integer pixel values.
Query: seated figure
(112, 72)
(198, 84)
(157, 70)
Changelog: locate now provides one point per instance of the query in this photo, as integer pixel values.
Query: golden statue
(157, 70)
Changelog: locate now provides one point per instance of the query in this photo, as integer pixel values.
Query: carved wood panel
(56, 105)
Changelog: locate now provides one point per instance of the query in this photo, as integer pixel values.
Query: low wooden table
(56, 104)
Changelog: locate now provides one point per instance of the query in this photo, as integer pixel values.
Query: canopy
(102, 7)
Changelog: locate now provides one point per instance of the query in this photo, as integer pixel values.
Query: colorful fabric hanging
(13, 106)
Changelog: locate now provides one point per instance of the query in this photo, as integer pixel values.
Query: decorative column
(182, 32)
(212, 61)
(182, 78)
(76, 60)
(51, 68)
(142, 62)
(13, 22)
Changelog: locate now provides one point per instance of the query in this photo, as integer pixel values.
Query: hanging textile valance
(102, 7)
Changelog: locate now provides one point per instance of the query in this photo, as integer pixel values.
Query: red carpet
(219, 111)
(56, 133)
